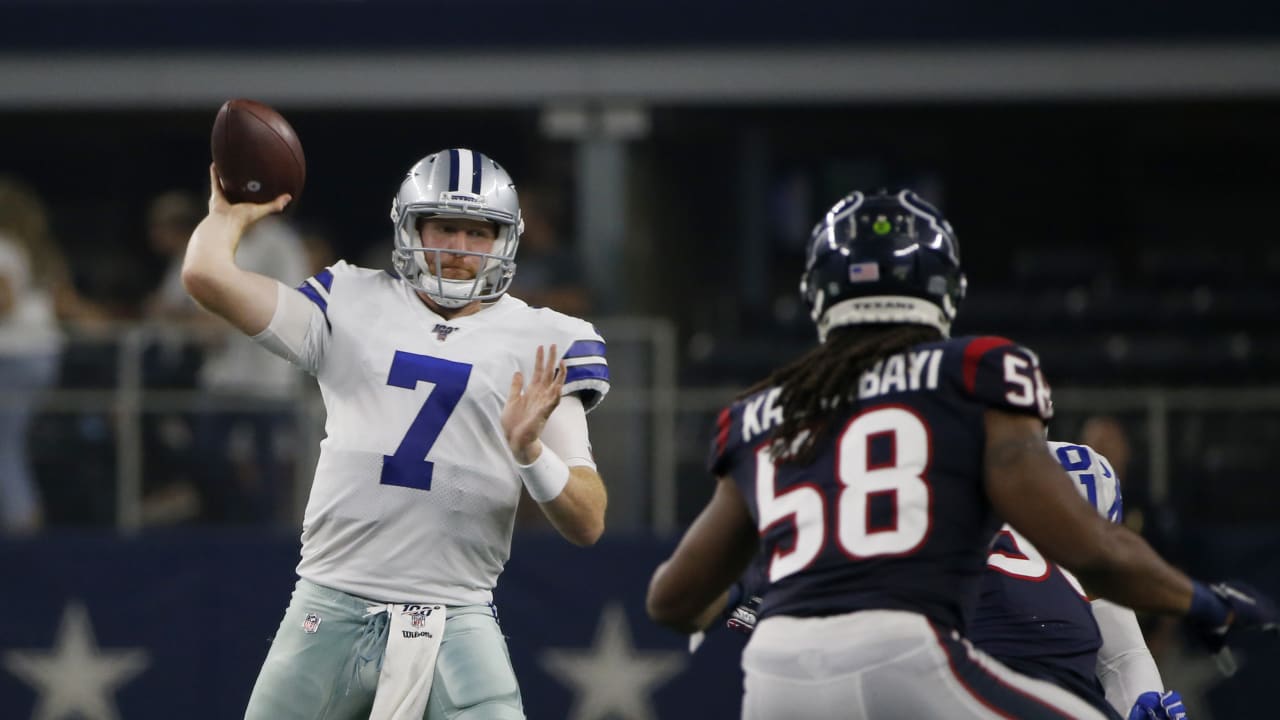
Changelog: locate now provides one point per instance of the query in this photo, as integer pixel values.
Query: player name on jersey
(904, 372)
(909, 371)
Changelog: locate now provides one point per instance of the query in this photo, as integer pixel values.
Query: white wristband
(545, 477)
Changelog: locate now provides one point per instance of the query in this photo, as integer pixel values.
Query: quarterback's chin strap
(414, 635)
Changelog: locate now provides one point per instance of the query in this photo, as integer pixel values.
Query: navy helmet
(882, 258)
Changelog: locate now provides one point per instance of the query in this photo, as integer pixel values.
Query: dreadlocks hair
(823, 381)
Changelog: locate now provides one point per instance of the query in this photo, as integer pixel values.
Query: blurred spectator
(242, 433)
(548, 273)
(171, 217)
(1107, 435)
(171, 361)
(319, 247)
(239, 436)
(32, 273)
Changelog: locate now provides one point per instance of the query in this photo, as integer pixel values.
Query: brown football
(256, 153)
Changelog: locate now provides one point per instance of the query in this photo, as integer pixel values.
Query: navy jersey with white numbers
(1033, 615)
(891, 513)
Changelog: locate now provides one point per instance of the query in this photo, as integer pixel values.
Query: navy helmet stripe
(574, 373)
(996, 695)
(476, 169)
(454, 159)
(585, 348)
(325, 278)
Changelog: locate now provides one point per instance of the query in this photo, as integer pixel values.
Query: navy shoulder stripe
(595, 371)
(316, 289)
(585, 348)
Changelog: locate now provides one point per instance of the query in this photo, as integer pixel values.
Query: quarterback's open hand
(528, 407)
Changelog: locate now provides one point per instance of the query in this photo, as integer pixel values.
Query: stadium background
(1111, 172)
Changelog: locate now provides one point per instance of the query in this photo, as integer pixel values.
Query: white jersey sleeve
(1095, 479)
(297, 331)
(586, 368)
(566, 433)
(1125, 666)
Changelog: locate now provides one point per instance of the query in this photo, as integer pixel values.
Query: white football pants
(887, 664)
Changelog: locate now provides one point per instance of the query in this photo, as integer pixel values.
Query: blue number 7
(409, 467)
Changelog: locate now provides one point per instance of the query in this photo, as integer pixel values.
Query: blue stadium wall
(175, 625)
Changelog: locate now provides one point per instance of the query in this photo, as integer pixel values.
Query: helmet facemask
(438, 187)
(422, 267)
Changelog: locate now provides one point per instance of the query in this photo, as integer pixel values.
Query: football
(256, 153)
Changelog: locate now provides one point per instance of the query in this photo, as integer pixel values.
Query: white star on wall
(611, 679)
(75, 678)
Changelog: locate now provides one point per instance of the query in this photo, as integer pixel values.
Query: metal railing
(651, 435)
(642, 355)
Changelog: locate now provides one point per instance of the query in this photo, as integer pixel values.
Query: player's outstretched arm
(1031, 491)
(572, 498)
(245, 299)
(1125, 666)
(688, 590)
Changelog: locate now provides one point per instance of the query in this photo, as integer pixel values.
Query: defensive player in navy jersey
(874, 472)
(444, 395)
(1037, 619)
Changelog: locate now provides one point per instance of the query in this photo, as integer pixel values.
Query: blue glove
(1217, 609)
(1158, 706)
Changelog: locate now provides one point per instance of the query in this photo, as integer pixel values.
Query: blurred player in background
(1036, 618)
(872, 471)
(443, 395)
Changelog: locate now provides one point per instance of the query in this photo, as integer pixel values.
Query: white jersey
(1095, 479)
(415, 491)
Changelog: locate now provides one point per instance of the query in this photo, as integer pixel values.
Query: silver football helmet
(456, 183)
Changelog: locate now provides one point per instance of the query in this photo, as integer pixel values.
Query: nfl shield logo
(311, 623)
(418, 620)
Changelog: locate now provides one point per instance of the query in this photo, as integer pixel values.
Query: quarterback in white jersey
(412, 497)
(444, 397)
